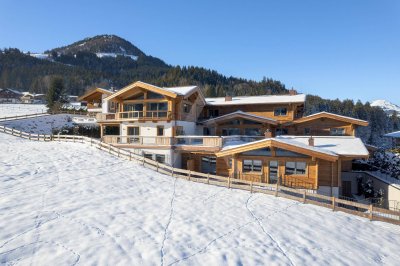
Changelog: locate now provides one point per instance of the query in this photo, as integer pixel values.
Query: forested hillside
(109, 61)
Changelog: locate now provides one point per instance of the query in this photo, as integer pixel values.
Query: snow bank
(7, 110)
(67, 203)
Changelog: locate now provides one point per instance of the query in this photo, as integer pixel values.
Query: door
(273, 172)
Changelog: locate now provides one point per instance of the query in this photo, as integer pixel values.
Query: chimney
(228, 98)
(268, 134)
(292, 92)
(311, 141)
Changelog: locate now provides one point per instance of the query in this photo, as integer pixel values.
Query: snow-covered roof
(330, 145)
(341, 145)
(242, 114)
(331, 116)
(395, 134)
(180, 90)
(260, 99)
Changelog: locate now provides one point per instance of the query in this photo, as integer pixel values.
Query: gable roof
(96, 90)
(319, 115)
(172, 92)
(260, 99)
(327, 148)
(241, 114)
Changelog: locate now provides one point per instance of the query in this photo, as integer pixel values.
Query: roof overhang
(240, 114)
(327, 115)
(94, 91)
(270, 142)
(142, 85)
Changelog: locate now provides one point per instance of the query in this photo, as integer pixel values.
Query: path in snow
(67, 204)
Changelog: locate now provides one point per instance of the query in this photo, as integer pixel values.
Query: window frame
(252, 166)
(278, 111)
(296, 168)
(158, 131)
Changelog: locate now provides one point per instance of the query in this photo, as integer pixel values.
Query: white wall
(188, 127)
(147, 129)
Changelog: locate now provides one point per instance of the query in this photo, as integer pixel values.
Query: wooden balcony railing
(136, 115)
(137, 140)
(209, 141)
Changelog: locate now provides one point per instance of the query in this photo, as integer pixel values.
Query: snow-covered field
(68, 204)
(41, 124)
(7, 110)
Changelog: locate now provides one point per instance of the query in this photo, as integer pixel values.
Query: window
(249, 122)
(280, 111)
(157, 109)
(208, 164)
(153, 95)
(133, 131)
(214, 113)
(337, 131)
(252, 131)
(307, 131)
(273, 172)
(187, 108)
(230, 131)
(230, 163)
(295, 168)
(160, 130)
(148, 156)
(179, 131)
(281, 131)
(160, 158)
(252, 166)
(206, 131)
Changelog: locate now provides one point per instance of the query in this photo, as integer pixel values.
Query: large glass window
(252, 131)
(295, 168)
(133, 131)
(281, 131)
(157, 109)
(230, 131)
(132, 110)
(160, 158)
(153, 95)
(280, 111)
(252, 166)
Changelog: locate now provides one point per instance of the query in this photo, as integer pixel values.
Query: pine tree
(55, 92)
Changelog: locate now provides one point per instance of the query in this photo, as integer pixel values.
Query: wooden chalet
(260, 138)
(93, 99)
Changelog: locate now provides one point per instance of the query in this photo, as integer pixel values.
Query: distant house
(34, 98)
(395, 137)
(10, 96)
(93, 99)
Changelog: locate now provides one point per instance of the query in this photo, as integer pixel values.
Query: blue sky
(341, 48)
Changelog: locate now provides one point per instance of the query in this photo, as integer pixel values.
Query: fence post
(109, 148)
(277, 187)
(118, 152)
(229, 181)
(20, 134)
(38, 137)
(12, 131)
(130, 156)
(304, 196)
(157, 166)
(371, 208)
(172, 173)
(73, 137)
(208, 178)
(29, 136)
(189, 175)
(333, 203)
(251, 186)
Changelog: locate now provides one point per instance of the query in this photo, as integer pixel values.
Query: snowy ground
(67, 204)
(41, 124)
(7, 110)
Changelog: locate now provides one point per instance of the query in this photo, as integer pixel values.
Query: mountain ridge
(387, 106)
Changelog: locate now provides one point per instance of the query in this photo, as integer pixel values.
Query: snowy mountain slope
(67, 204)
(7, 110)
(386, 106)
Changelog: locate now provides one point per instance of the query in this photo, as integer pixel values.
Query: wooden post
(208, 178)
(371, 209)
(251, 186)
(229, 181)
(29, 136)
(73, 137)
(12, 132)
(118, 152)
(130, 157)
(333, 203)
(109, 148)
(143, 159)
(172, 173)
(277, 187)
(157, 166)
(304, 196)
(189, 175)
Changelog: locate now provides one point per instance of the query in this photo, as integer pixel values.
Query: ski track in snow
(72, 204)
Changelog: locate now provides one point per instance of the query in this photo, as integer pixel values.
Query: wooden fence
(277, 190)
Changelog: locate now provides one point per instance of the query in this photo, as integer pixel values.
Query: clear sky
(333, 48)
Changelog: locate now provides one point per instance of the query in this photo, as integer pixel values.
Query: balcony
(136, 116)
(138, 140)
(198, 143)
